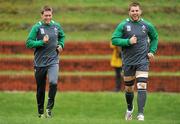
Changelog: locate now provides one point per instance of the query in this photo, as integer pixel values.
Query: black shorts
(130, 70)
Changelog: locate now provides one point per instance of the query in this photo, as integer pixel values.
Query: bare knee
(129, 88)
(129, 83)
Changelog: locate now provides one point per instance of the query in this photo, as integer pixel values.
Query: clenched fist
(151, 56)
(59, 49)
(46, 38)
(133, 39)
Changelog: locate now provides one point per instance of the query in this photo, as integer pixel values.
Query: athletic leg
(53, 79)
(40, 75)
(141, 77)
(142, 93)
(129, 79)
(129, 91)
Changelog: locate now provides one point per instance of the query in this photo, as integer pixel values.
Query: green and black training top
(45, 53)
(147, 40)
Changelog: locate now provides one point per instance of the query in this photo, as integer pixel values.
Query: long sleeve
(61, 37)
(31, 41)
(153, 35)
(117, 39)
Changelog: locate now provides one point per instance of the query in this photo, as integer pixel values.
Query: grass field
(87, 19)
(88, 108)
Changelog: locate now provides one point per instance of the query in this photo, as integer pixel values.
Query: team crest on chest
(128, 27)
(56, 31)
(42, 31)
(144, 29)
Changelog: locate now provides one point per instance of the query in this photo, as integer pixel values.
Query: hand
(133, 40)
(59, 49)
(46, 38)
(151, 56)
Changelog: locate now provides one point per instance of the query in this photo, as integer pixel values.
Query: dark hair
(46, 8)
(134, 4)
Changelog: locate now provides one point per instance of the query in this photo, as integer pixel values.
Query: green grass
(77, 17)
(83, 73)
(88, 108)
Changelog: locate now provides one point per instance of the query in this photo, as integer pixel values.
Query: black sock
(141, 100)
(129, 100)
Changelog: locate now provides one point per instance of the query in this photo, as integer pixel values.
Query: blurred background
(85, 62)
(88, 25)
